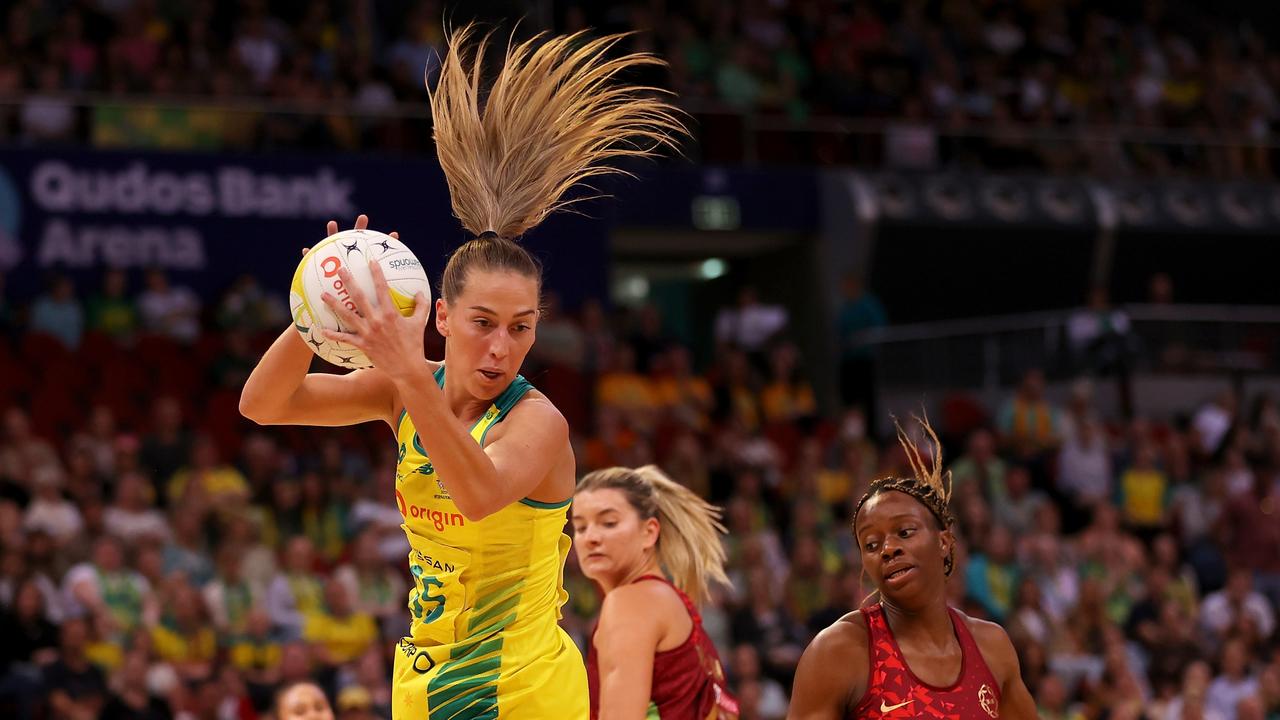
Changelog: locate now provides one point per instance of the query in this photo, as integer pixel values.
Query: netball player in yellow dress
(486, 471)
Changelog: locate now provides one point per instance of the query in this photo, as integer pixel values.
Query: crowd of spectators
(1009, 84)
(161, 557)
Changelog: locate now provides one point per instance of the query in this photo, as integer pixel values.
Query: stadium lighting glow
(712, 268)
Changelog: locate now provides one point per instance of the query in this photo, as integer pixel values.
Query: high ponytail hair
(548, 120)
(688, 546)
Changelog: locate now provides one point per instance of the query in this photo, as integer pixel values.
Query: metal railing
(992, 352)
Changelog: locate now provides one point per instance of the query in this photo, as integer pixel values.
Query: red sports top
(688, 681)
(893, 691)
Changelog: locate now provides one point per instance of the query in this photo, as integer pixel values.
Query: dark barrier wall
(210, 218)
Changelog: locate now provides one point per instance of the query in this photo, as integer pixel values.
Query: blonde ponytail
(689, 547)
(550, 117)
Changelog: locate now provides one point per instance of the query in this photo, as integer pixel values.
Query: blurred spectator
(132, 516)
(1224, 610)
(680, 392)
(560, 340)
(49, 511)
(256, 653)
(623, 388)
(1213, 421)
(1017, 506)
(207, 482)
(372, 676)
(47, 115)
(355, 703)
(22, 451)
(166, 446)
(1099, 334)
(96, 443)
(295, 594)
(229, 596)
(31, 640)
(131, 698)
(58, 313)
(187, 551)
(771, 702)
(991, 578)
(248, 308)
(1144, 493)
(77, 688)
(374, 586)
(750, 324)
(109, 592)
(256, 49)
(184, 637)
(787, 397)
(647, 339)
(766, 624)
(1028, 424)
(110, 311)
(169, 310)
(339, 634)
(1234, 682)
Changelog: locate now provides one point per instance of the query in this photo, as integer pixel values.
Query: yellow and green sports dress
(483, 640)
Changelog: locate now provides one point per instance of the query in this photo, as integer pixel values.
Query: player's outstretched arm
(832, 673)
(280, 391)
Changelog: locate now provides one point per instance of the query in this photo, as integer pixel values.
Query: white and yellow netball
(318, 274)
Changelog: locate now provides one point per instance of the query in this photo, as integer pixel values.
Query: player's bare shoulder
(536, 409)
(994, 643)
(832, 675)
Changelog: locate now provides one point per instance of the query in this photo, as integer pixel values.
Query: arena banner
(210, 218)
(1042, 201)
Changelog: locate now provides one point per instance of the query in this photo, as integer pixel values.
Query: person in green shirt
(110, 312)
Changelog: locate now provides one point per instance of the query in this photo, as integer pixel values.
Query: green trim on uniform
(506, 401)
(546, 506)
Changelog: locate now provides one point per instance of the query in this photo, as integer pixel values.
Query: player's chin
(594, 565)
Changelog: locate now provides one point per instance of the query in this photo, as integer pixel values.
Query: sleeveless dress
(688, 681)
(483, 642)
(893, 691)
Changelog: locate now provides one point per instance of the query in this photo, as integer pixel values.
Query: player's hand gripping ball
(318, 274)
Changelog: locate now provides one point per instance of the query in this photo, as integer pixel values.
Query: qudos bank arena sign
(211, 218)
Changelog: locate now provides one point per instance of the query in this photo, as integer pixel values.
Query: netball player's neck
(650, 566)
(465, 406)
(930, 623)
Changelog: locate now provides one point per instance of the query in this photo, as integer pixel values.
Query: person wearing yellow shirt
(858, 464)
(184, 637)
(624, 388)
(682, 393)
(787, 397)
(256, 654)
(735, 392)
(1144, 492)
(208, 479)
(339, 635)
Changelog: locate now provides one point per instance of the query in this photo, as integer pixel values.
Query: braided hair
(929, 484)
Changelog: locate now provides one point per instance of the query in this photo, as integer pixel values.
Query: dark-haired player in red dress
(909, 655)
